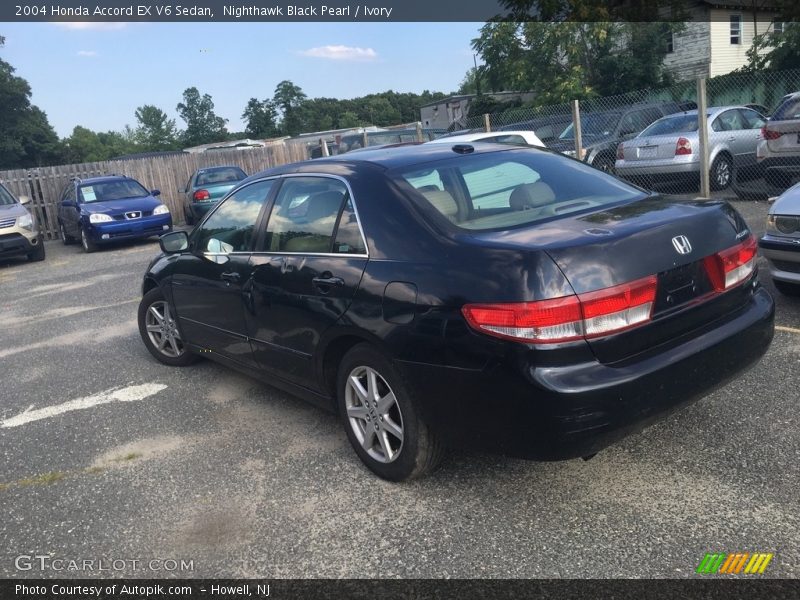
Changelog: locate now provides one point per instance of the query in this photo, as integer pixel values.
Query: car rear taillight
(201, 195)
(567, 318)
(768, 134)
(683, 146)
(620, 152)
(731, 267)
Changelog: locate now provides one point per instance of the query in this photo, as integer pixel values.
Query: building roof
(759, 5)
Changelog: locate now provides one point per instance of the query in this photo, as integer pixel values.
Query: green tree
(289, 99)
(155, 131)
(349, 119)
(26, 137)
(203, 126)
(261, 118)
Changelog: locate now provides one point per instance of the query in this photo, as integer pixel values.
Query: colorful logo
(741, 562)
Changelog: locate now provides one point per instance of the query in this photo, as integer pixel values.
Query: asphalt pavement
(110, 457)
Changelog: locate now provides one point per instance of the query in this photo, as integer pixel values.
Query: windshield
(220, 176)
(503, 190)
(679, 124)
(593, 124)
(118, 189)
(6, 197)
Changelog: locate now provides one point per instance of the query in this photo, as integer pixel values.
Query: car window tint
(509, 189)
(516, 140)
(231, 227)
(104, 191)
(752, 119)
(304, 215)
(677, 124)
(218, 176)
(5, 196)
(787, 111)
(348, 234)
(730, 120)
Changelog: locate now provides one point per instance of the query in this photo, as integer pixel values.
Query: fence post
(324, 147)
(487, 124)
(419, 132)
(576, 128)
(702, 129)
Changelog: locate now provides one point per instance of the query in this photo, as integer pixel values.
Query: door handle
(329, 281)
(231, 277)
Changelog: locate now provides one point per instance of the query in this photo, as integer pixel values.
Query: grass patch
(43, 479)
(131, 456)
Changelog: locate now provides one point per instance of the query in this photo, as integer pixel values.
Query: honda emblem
(682, 244)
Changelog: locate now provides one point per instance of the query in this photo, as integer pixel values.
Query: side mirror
(24, 200)
(68, 204)
(155, 193)
(174, 242)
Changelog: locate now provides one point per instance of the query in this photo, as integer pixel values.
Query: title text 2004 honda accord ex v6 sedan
(510, 299)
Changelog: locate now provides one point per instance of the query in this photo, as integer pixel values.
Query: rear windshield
(788, 111)
(680, 124)
(219, 176)
(119, 189)
(6, 197)
(502, 190)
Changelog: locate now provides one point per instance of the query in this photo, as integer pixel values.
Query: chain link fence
(653, 137)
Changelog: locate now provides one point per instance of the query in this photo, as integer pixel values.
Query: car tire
(389, 437)
(66, 239)
(38, 253)
(86, 242)
(786, 288)
(157, 324)
(188, 216)
(721, 173)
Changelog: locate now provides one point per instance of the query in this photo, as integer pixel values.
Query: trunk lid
(628, 242)
(656, 147)
(789, 140)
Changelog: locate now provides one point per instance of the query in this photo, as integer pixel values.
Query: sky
(97, 74)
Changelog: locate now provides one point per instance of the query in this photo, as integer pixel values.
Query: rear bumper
(657, 168)
(200, 209)
(19, 244)
(783, 258)
(781, 172)
(127, 230)
(561, 412)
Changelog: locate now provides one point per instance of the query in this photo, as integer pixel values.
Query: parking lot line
(789, 329)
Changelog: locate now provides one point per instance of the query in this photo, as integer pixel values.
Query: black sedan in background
(509, 299)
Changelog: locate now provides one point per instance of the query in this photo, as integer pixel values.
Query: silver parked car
(781, 242)
(669, 148)
(779, 150)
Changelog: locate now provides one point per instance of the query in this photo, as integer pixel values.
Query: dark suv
(603, 131)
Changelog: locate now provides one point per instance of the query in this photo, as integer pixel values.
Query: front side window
(752, 119)
(736, 29)
(5, 197)
(502, 190)
(593, 124)
(118, 189)
(232, 226)
(304, 216)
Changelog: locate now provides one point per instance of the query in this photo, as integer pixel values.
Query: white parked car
(515, 138)
(779, 150)
(781, 242)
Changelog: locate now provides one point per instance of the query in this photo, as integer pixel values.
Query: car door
(70, 211)
(749, 136)
(303, 279)
(207, 281)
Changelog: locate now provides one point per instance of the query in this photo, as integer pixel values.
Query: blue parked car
(110, 208)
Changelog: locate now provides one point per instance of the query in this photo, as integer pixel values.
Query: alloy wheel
(163, 330)
(722, 174)
(374, 414)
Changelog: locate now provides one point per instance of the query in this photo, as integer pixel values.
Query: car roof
(711, 111)
(101, 178)
(469, 137)
(391, 158)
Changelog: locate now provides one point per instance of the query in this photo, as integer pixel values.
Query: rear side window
(788, 111)
(508, 189)
(348, 233)
(304, 217)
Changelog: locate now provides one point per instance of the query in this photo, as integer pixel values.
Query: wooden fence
(169, 173)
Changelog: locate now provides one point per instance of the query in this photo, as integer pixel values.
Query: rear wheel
(87, 243)
(604, 163)
(381, 419)
(158, 327)
(67, 239)
(786, 288)
(38, 253)
(721, 171)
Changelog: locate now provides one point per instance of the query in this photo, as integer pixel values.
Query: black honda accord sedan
(509, 299)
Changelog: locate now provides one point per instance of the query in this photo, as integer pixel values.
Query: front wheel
(38, 252)
(381, 418)
(604, 163)
(158, 327)
(87, 243)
